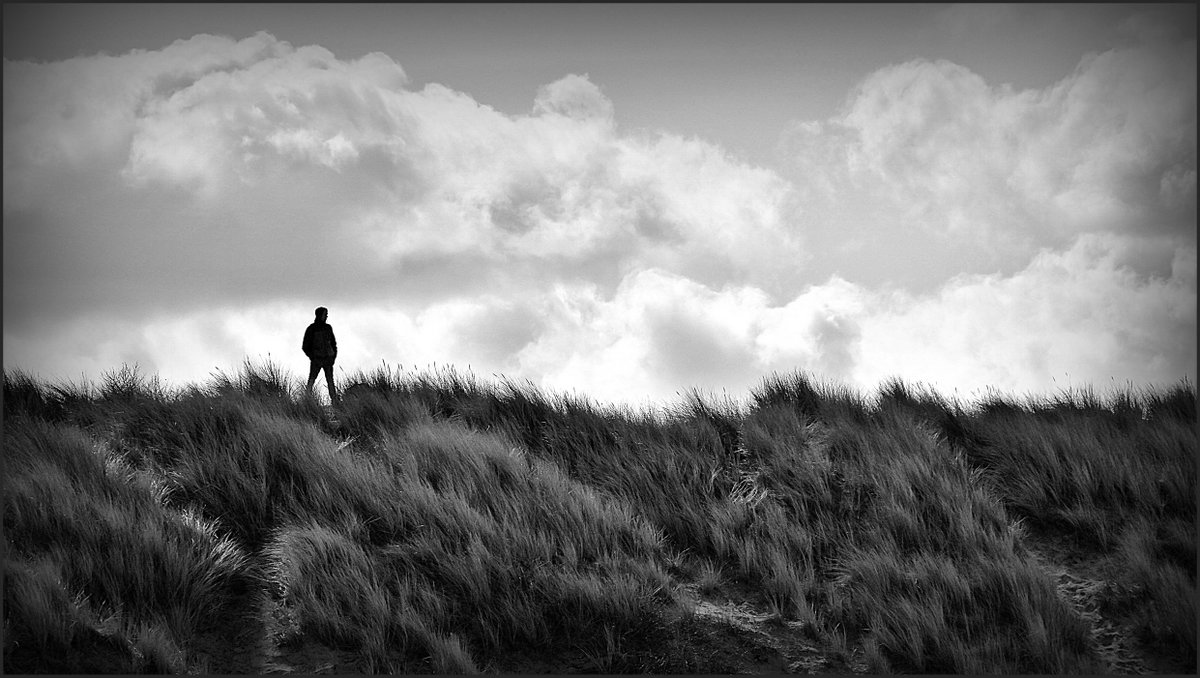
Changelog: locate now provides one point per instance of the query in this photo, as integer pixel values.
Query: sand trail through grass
(1086, 582)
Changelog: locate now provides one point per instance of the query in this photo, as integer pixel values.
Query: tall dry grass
(437, 522)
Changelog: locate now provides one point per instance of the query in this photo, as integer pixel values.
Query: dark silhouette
(321, 348)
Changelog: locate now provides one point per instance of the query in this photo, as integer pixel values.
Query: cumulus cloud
(256, 165)
(222, 174)
(1109, 148)
(186, 208)
(1081, 315)
(1071, 209)
(1097, 321)
(575, 97)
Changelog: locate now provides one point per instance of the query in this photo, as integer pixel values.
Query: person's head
(322, 313)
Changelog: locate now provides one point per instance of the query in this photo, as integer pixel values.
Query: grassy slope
(443, 524)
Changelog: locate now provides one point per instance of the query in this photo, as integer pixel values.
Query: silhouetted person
(321, 348)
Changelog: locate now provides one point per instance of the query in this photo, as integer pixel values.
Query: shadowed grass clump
(1120, 484)
(1114, 474)
(474, 546)
(935, 572)
(95, 559)
(435, 522)
(26, 396)
(774, 496)
(469, 544)
(817, 401)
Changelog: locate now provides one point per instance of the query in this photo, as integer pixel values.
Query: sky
(621, 201)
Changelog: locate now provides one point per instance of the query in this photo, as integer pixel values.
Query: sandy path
(1080, 581)
(765, 642)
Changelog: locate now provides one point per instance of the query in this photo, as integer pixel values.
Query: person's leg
(314, 368)
(329, 382)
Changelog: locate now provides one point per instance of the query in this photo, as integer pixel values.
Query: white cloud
(1072, 209)
(1094, 318)
(575, 97)
(1109, 148)
(1082, 315)
(187, 208)
(1097, 321)
(279, 167)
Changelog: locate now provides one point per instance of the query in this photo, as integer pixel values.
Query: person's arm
(333, 341)
(306, 346)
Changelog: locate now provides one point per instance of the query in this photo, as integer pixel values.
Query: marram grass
(442, 524)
